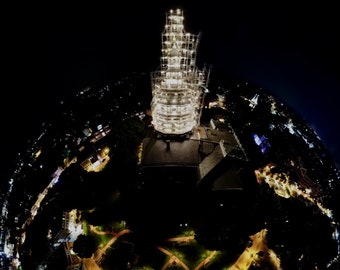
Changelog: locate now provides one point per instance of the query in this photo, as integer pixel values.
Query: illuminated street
(250, 254)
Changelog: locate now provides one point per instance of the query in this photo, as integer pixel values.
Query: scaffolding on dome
(178, 86)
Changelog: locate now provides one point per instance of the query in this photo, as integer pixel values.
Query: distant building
(71, 228)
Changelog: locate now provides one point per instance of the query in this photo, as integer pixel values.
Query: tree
(84, 246)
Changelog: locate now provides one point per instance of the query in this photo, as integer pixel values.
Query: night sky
(51, 53)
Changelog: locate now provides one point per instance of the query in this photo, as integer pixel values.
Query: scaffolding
(178, 86)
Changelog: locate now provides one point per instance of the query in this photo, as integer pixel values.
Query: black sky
(51, 53)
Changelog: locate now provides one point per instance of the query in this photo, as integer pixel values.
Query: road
(250, 254)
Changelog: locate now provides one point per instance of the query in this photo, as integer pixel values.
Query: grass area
(102, 238)
(189, 252)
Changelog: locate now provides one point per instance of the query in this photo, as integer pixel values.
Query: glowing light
(178, 87)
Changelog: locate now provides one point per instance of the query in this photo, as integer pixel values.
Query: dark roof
(228, 180)
(157, 152)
